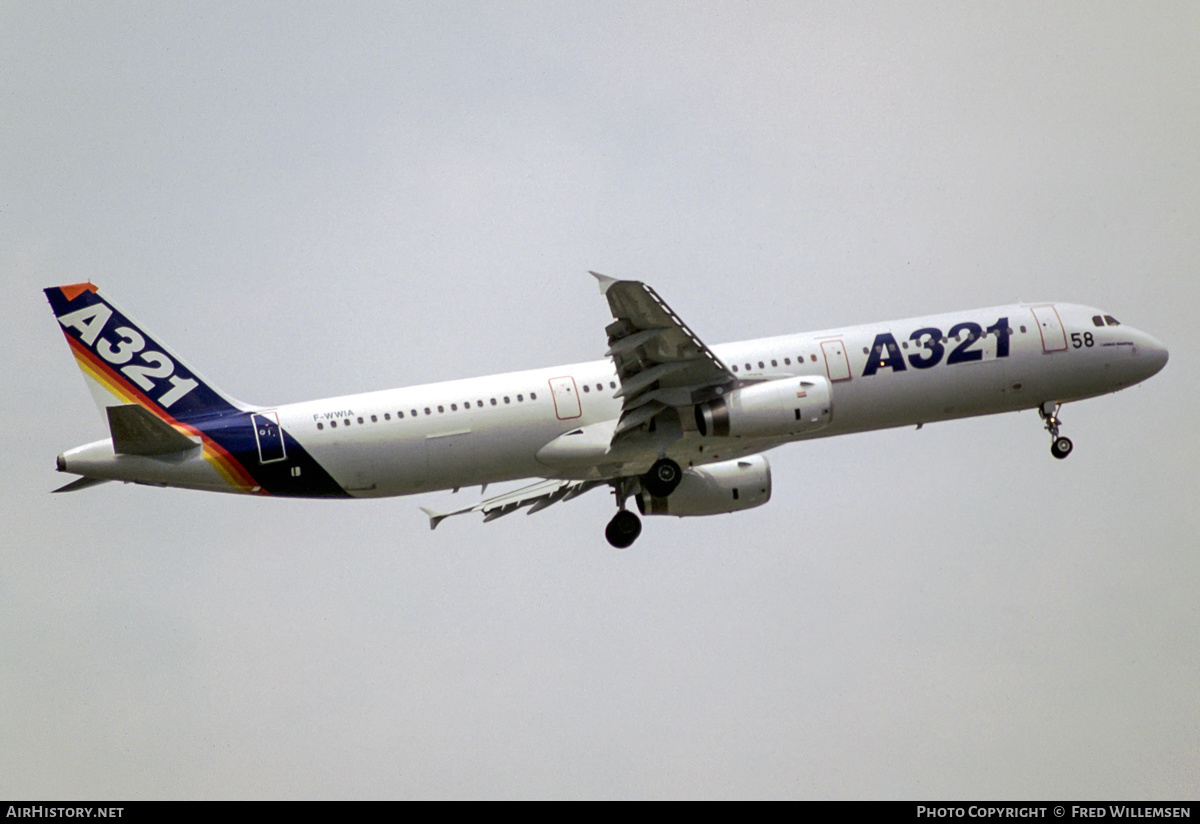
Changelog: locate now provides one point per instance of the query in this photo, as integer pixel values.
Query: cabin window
(333, 424)
(441, 409)
(612, 384)
(774, 362)
(414, 413)
(787, 361)
(506, 400)
(533, 396)
(428, 411)
(493, 401)
(374, 419)
(453, 407)
(520, 399)
(387, 416)
(814, 358)
(587, 388)
(735, 367)
(320, 425)
(748, 367)
(400, 414)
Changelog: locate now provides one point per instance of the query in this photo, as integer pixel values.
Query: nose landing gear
(1060, 447)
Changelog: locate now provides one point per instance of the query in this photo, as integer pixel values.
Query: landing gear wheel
(662, 478)
(1061, 448)
(623, 529)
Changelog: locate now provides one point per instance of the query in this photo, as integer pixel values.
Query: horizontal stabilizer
(81, 483)
(138, 431)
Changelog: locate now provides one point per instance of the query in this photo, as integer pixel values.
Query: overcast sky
(316, 199)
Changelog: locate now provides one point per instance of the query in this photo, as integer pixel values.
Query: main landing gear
(623, 529)
(662, 478)
(660, 481)
(1060, 447)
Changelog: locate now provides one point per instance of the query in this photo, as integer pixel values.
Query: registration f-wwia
(664, 419)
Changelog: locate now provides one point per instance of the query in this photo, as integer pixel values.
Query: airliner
(678, 426)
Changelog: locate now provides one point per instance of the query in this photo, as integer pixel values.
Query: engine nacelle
(714, 489)
(783, 407)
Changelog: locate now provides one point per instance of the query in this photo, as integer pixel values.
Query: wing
(660, 362)
(661, 365)
(536, 496)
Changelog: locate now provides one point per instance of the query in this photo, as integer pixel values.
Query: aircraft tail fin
(124, 365)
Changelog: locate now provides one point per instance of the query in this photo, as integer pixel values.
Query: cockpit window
(1112, 321)
(1097, 320)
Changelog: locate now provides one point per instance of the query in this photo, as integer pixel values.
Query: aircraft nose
(1152, 353)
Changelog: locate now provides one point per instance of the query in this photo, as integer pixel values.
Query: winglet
(605, 281)
(435, 518)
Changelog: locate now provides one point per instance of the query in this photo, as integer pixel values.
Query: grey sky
(317, 199)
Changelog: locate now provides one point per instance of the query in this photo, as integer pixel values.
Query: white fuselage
(490, 429)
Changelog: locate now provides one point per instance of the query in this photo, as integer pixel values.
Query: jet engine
(783, 407)
(714, 489)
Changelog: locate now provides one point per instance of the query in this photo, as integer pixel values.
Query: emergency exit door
(566, 398)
